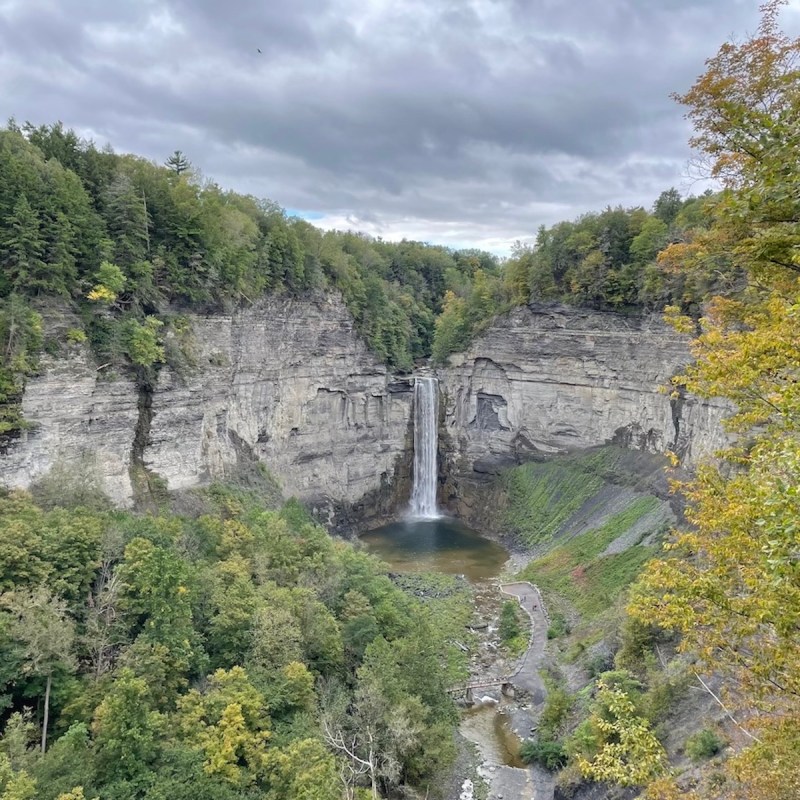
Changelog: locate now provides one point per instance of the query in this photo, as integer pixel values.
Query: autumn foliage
(731, 583)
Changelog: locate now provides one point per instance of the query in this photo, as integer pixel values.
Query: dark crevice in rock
(144, 421)
(400, 387)
(676, 402)
(487, 416)
(149, 488)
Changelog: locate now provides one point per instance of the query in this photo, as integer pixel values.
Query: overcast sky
(461, 122)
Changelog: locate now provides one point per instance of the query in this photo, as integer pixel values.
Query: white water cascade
(426, 419)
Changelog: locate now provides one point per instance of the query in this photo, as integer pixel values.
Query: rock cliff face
(80, 419)
(285, 382)
(288, 383)
(546, 379)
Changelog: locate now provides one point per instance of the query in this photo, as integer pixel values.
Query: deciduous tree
(45, 632)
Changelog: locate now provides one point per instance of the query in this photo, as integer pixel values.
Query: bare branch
(728, 713)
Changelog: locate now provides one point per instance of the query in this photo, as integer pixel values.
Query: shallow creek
(446, 545)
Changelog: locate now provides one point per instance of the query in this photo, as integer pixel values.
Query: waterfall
(426, 423)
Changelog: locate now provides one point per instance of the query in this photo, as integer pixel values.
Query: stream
(446, 545)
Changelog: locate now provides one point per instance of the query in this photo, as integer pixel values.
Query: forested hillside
(241, 653)
(129, 244)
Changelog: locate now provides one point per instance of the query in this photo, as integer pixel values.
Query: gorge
(288, 383)
(217, 410)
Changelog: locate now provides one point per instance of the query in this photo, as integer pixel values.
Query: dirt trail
(527, 675)
(527, 678)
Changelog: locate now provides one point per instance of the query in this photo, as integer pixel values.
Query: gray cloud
(461, 121)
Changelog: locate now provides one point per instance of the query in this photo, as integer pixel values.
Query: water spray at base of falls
(426, 433)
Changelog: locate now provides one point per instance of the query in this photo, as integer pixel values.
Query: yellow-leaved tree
(629, 753)
(731, 584)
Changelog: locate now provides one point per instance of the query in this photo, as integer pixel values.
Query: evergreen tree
(178, 163)
(21, 248)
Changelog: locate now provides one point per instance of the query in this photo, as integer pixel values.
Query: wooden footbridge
(468, 689)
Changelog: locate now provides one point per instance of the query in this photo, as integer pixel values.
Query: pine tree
(178, 163)
(21, 246)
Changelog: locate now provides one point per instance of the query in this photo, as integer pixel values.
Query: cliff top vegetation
(128, 245)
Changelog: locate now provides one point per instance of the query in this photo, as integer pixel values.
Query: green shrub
(638, 643)
(556, 707)
(545, 753)
(703, 744)
(76, 336)
(599, 663)
(142, 341)
(510, 627)
(664, 692)
(558, 626)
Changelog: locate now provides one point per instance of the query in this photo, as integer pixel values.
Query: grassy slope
(542, 498)
(578, 571)
(569, 510)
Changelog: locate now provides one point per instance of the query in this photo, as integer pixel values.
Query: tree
(39, 622)
(229, 723)
(304, 770)
(20, 334)
(517, 274)
(156, 595)
(629, 754)
(15, 784)
(730, 585)
(128, 220)
(744, 109)
(68, 764)
(647, 244)
(23, 247)
(452, 327)
(668, 205)
(178, 163)
(110, 282)
(143, 344)
(126, 729)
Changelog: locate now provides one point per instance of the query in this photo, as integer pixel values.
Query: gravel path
(527, 676)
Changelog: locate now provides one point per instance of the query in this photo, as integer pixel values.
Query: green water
(437, 545)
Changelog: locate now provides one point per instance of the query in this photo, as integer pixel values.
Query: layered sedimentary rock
(290, 384)
(81, 418)
(286, 382)
(550, 379)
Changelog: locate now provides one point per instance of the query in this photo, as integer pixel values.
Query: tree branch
(728, 713)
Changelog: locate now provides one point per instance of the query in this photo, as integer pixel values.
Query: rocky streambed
(493, 720)
(498, 717)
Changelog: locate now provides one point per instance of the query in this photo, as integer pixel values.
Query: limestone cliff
(548, 379)
(287, 382)
(290, 383)
(80, 417)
